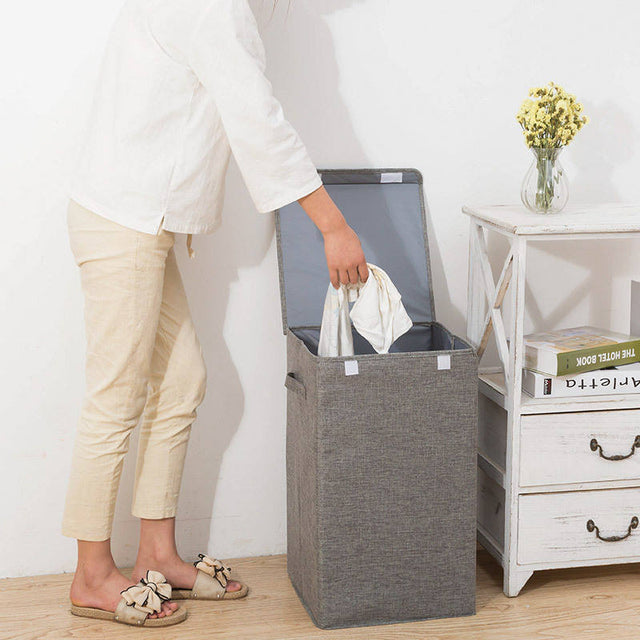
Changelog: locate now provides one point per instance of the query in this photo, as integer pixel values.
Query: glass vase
(545, 188)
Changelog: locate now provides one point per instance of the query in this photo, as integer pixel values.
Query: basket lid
(385, 207)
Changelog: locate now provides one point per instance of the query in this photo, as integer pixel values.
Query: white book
(621, 379)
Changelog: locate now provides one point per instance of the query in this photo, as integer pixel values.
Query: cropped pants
(144, 365)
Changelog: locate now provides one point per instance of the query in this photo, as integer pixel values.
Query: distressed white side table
(558, 478)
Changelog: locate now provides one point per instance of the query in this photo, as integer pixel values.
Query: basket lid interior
(386, 209)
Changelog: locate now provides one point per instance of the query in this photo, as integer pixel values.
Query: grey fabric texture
(389, 220)
(367, 176)
(381, 465)
(381, 484)
(421, 337)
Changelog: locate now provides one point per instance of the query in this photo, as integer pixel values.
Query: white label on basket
(390, 177)
(444, 362)
(350, 367)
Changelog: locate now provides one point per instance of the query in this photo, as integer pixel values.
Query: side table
(547, 498)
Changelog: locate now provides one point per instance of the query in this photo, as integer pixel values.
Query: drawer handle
(591, 526)
(596, 447)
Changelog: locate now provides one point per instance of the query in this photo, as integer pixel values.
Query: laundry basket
(381, 448)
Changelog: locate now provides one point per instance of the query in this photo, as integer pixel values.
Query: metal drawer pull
(596, 447)
(591, 526)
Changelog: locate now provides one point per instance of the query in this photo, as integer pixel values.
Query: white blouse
(181, 86)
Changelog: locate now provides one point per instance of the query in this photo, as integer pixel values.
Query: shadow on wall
(605, 143)
(316, 101)
(445, 311)
(307, 85)
(302, 66)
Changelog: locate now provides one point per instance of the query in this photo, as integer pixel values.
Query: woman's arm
(227, 55)
(345, 258)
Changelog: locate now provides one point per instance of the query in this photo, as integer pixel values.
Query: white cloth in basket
(378, 315)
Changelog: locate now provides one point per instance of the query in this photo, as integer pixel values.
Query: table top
(615, 217)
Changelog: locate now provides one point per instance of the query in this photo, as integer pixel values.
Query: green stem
(545, 187)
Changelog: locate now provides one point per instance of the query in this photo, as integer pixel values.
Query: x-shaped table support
(494, 294)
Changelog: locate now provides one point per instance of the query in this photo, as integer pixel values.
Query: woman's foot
(100, 587)
(179, 574)
(157, 550)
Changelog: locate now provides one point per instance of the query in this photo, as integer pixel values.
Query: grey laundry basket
(381, 464)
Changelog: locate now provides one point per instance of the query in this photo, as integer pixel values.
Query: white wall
(367, 83)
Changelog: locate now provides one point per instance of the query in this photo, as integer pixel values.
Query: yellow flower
(550, 117)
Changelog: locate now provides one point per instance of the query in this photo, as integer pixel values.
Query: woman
(181, 86)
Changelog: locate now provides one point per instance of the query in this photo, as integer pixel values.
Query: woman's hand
(345, 258)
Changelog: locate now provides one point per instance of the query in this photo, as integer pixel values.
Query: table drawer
(579, 525)
(590, 446)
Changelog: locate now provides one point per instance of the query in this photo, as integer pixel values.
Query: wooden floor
(584, 603)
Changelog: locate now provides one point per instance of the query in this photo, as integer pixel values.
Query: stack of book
(580, 361)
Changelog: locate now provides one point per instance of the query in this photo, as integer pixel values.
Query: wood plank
(501, 289)
(514, 578)
(564, 604)
(556, 448)
(493, 293)
(553, 526)
(606, 218)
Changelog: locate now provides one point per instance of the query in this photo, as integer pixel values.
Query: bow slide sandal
(137, 602)
(210, 583)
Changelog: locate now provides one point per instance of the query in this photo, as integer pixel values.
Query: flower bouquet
(550, 118)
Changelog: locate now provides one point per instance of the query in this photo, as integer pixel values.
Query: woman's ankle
(95, 562)
(150, 557)
(157, 542)
(95, 570)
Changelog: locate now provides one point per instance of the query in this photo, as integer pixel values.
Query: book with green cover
(578, 349)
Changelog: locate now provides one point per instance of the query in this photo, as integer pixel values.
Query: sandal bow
(214, 568)
(149, 594)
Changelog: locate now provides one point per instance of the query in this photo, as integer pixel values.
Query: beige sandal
(210, 583)
(137, 602)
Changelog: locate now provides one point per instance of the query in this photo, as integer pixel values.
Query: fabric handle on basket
(378, 315)
(294, 384)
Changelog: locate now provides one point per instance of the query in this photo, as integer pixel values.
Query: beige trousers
(143, 360)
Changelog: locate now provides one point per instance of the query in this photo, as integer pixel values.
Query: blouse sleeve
(227, 55)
